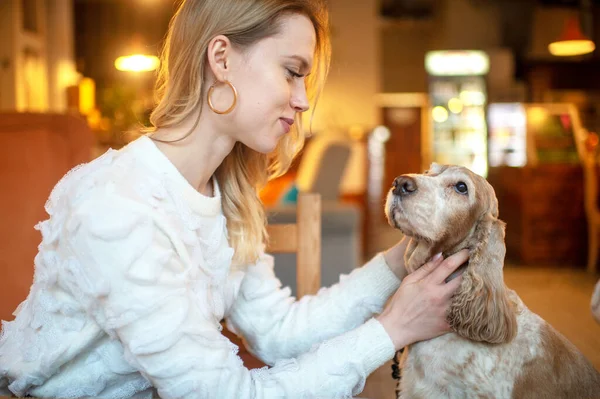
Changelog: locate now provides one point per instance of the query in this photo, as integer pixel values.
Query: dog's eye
(461, 187)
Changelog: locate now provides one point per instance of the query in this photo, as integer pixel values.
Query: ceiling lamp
(136, 57)
(572, 41)
(137, 63)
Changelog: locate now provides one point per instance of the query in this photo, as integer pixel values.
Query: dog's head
(446, 209)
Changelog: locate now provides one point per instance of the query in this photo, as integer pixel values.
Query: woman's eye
(461, 188)
(293, 74)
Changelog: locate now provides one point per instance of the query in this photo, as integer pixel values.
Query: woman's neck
(198, 155)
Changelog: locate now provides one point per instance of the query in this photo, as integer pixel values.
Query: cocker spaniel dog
(498, 347)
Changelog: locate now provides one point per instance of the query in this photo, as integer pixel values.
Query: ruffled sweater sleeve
(139, 283)
(276, 326)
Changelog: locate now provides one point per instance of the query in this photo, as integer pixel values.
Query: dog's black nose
(404, 185)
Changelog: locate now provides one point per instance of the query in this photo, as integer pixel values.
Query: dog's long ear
(481, 309)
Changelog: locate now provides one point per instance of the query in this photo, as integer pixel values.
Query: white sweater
(132, 279)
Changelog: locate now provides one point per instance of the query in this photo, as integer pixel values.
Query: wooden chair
(590, 176)
(587, 145)
(302, 238)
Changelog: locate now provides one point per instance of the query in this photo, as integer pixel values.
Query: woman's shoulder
(98, 195)
(116, 174)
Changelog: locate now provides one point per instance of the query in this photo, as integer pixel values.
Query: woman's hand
(394, 257)
(418, 309)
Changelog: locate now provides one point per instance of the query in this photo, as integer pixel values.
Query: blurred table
(544, 213)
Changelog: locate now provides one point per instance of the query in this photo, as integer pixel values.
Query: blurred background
(508, 88)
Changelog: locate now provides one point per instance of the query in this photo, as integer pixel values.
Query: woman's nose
(299, 100)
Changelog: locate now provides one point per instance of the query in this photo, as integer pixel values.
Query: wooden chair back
(303, 238)
(587, 146)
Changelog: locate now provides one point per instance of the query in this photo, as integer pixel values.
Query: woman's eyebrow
(304, 64)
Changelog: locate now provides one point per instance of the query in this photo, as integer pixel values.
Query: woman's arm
(276, 326)
(140, 285)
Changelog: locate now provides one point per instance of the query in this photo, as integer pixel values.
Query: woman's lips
(286, 123)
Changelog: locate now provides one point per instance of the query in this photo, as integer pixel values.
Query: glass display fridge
(458, 98)
(522, 134)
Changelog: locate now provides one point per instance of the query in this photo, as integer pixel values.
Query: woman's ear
(481, 309)
(218, 51)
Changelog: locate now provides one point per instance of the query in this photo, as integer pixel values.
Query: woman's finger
(426, 269)
(451, 286)
(448, 266)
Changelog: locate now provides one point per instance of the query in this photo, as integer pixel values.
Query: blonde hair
(180, 88)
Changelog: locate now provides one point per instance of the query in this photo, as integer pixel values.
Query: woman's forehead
(297, 36)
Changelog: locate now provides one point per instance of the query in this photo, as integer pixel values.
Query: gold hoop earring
(212, 107)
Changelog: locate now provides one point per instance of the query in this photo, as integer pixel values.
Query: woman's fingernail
(437, 256)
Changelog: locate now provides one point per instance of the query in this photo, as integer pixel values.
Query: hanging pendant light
(137, 58)
(572, 41)
(137, 63)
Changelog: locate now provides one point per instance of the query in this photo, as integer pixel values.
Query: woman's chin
(268, 146)
(264, 148)
(264, 143)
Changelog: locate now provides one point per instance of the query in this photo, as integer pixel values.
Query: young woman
(148, 248)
